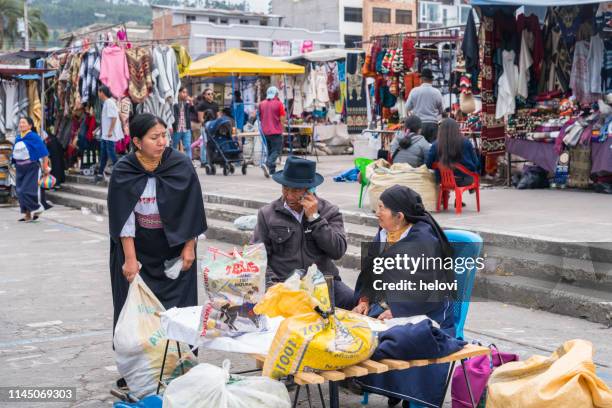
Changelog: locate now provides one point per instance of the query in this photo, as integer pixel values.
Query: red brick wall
(371, 28)
(163, 29)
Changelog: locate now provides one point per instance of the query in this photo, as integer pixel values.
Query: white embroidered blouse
(146, 206)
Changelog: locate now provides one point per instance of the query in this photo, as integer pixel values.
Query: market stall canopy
(539, 3)
(330, 54)
(238, 62)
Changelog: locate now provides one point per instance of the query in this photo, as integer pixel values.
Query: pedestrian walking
(110, 127)
(273, 117)
(31, 159)
(181, 128)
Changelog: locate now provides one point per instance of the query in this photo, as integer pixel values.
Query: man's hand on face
(310, 204)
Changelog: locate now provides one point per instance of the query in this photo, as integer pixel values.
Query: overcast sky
(258, 5)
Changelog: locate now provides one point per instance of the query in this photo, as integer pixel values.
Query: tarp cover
(238, 62)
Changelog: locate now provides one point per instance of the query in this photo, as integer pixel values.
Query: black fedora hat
(298, 173)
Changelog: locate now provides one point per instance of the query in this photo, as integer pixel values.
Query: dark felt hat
(298, 173)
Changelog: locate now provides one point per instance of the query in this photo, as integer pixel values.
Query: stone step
(557, 297)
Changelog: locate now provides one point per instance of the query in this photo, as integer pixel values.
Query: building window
(403, 17)
(250, 46)
(244, 21)
(465, 12)
(381, 15)
(212, 20)
(263, 22)
(215, 45)
(190, 18)
(430, 13)
(352, 41)
(353, 14)
(223, 21)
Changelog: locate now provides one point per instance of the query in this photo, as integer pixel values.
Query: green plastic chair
(361, 163)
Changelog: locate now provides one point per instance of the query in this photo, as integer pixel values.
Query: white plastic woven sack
(140, 342)
(208, 386)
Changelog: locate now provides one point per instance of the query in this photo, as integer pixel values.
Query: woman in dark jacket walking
(452, 147)
(406, 229)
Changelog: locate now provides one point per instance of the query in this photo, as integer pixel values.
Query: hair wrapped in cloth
(408, 202)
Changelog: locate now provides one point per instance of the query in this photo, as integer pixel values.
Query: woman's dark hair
(105, 90)
(181, 88)
(209, 115)
(450, 142)
(30, 122)
(413, 123)
(141, 124)
(227, 112)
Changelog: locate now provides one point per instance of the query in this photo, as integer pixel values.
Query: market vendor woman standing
(156, 213)
(28, 153)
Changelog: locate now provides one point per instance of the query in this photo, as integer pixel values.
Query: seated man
(300, 229)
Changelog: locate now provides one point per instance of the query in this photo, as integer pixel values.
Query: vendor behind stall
(426, 102)
(300, 229)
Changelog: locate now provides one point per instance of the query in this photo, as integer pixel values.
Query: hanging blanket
(139, 66)
(356, 103)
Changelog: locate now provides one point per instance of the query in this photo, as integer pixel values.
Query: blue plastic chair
(471, 247)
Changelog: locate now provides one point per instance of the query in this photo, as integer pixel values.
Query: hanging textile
(507, 87)
(22, 99)
(74, 95)
(89, 74)
(2, 110)
(493, 130)
(156, 105)
(356, 103)
(10, 104)
(469, 47)
(183, 59)
(139, 66)
(595, 61)
(339, 105)
(333, 83)
(165, 74)
(579, 77)
(35, 107)
(114, 71)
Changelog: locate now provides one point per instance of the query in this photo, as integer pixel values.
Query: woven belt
(152, 221)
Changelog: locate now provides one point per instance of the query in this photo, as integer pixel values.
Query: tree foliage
(11, 11)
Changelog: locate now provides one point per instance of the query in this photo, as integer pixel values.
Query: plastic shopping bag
(140, 342)
(210, 386)
(234, 283)
(312, 338)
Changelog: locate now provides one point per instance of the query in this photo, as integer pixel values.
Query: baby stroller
(221, 148)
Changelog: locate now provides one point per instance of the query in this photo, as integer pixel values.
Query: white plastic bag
(140, 342)
(172, 267)
(246, 222)
(208, 386)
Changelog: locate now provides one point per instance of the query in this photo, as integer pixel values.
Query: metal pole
(26, 31)
(42, 101)
(290, 138)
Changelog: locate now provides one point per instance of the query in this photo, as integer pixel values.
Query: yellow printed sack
(312, 337)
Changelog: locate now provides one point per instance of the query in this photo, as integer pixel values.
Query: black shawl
(179, 196)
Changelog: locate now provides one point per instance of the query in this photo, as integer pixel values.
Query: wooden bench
(376, 367)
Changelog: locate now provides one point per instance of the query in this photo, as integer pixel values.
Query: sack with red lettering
(235, 281)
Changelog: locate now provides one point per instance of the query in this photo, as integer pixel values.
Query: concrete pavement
(56, 319)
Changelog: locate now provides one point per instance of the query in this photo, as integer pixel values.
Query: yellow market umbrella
(238, 62)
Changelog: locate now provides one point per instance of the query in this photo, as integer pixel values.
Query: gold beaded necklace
(148, 164)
